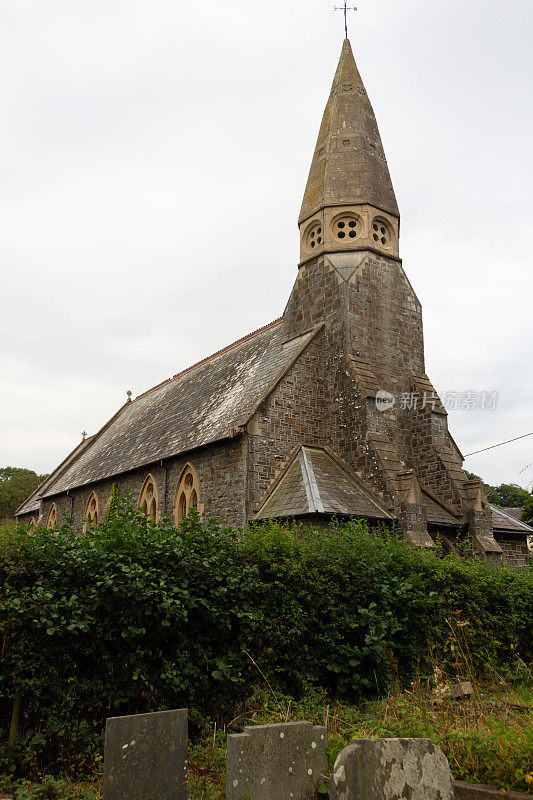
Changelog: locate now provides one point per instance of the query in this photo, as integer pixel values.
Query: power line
(499, 444)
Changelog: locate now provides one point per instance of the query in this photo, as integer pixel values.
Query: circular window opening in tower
(382, 232)
(346, 225)
(313, 235)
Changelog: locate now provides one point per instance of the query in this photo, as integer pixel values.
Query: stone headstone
(146, 757)
(277, 762)
(459, 690)
(391, 769)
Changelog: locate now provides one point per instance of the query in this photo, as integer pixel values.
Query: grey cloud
(152, 162)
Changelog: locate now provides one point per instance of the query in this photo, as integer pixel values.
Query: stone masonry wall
(515, 550)
(371, 312)
(294, 413)
(385, 329)
(220, 468)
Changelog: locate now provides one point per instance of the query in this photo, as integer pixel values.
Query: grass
(487, 738)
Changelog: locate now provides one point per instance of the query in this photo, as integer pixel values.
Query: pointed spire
(349, 164)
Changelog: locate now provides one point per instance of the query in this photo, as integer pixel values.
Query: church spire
(349, 173)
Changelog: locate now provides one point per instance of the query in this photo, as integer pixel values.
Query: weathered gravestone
(459, 690)
(391, 769)
(146, 757)
(276, 762)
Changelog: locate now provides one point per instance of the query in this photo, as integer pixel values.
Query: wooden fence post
(14, 720)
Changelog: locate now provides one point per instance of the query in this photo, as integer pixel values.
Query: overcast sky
(153, 157)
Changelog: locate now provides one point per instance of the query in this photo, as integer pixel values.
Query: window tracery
(188, 495)
(91, 512)
(149, 500)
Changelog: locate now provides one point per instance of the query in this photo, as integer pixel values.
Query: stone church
(302, 419)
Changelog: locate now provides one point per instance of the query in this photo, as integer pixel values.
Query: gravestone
(391, 769)
(459, 690)
(286, 761)
(146, 757)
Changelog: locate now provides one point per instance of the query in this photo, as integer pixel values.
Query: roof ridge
(311, 486)
(208, 358)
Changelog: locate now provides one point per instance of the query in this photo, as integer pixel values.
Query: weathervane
(345, 8)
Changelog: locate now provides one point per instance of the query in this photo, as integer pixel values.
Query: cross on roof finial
(345, 8)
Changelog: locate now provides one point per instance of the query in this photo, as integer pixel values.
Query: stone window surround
(149, 498)
(51, 521)
(188, 494)
(365, 216)
(92, 512)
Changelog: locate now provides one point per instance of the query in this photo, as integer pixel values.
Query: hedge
(133, 617)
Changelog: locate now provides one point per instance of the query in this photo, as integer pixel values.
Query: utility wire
(499, 444)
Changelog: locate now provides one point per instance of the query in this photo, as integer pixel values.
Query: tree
(511, 495)
(506, 495)
(490, 491)
(16, 484)
(527, 511)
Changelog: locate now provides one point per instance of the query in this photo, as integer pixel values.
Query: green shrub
(133, 617)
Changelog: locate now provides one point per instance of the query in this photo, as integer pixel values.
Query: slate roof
(437, 514)
(194, 408)
(513, 512)
(503, 521)
(315, 482)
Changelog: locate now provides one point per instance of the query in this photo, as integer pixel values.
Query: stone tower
(390, 424)
(349, 203)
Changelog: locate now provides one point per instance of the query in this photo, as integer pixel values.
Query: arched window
(52, 517)
(91, 512)
(148, 499)
(187, 494)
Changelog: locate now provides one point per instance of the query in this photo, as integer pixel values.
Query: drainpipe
(71, 503)
(164, 503)
(246, 479)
